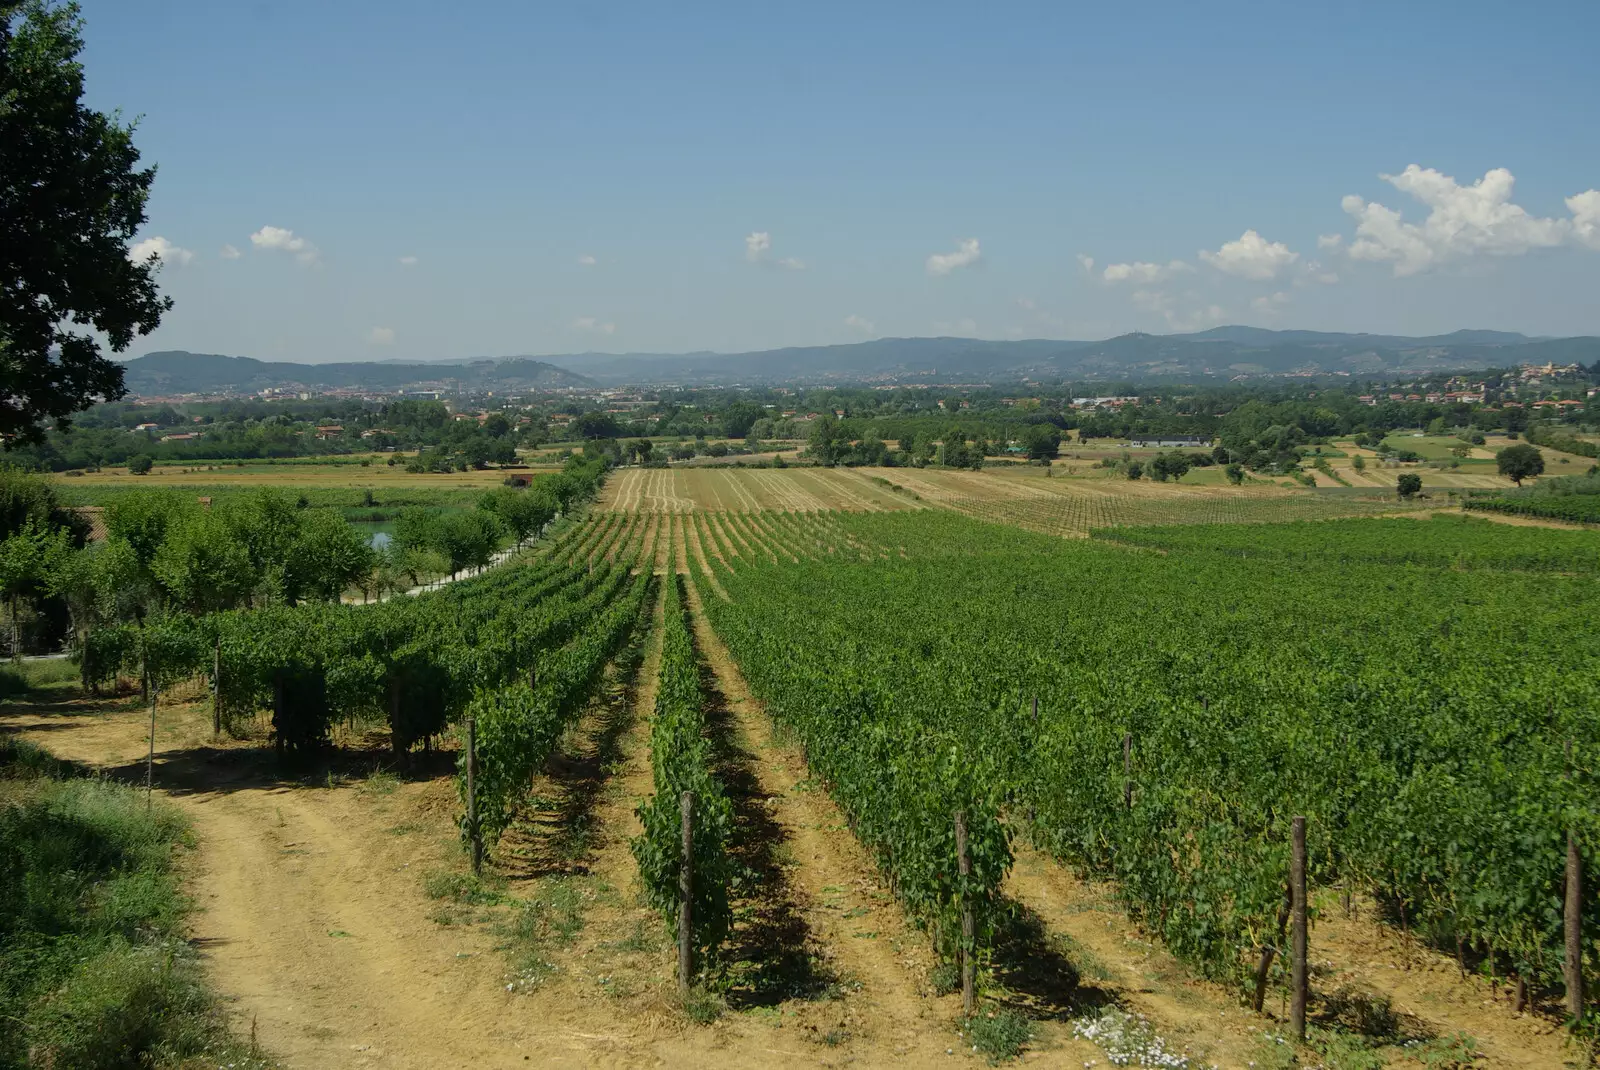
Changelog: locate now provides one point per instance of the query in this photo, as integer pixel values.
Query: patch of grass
(945, 978)
(703, 1006)
(550, 920)
(1345, 1051)
(1272, 1051)
(96, 973)
(19, 679)
(380, 782)
(1088, 963)
(406, 828)
(1455, 1052)
(463, 888)
(644, 938)
(998, 1035)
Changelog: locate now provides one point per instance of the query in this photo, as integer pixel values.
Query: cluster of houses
(1451, 397)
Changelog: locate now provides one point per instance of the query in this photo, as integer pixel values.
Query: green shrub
(998, 1035)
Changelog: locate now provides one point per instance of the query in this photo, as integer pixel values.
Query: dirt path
(315, 927)
(1427, 985)
(1196, 1018)
(1425, 988)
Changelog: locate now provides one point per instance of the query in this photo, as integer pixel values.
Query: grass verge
(94, 970)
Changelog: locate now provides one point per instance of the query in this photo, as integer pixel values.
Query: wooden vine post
(685, 895)
(1572, 916)
(474, 833)
(216, 686)
(1574, 926)
(969, 995)
(1297, 885)
(150, 758)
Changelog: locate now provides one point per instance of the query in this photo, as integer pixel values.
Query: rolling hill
(1222, 352)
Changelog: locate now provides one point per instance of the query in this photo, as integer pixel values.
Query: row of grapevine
(1444, 542)
(680, 758)
(1421, 718)
(518, 725)
(900, 777)
(411, 661)
(1577, 508)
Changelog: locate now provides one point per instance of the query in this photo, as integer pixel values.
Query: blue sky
(351, 179)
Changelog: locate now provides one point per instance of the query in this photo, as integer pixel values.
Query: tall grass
(94, 972)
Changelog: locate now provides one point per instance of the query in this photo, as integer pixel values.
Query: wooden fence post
(685, 896)
(474, 834)
(1127, 770)
(1574, 926)
(969, 997)
(216, 687)
(150, 759)
(1297, 883)
(1036, 711)
(1572, 917)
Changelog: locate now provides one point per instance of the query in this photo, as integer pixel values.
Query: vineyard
(1445, 542)
(1576, 508)
(1078, 514)
(1147, 711)
(1434, 725)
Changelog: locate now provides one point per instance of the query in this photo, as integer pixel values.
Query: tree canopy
(71, 199)
(1519, 462)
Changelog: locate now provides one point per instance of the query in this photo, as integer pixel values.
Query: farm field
(1476, 472)
(298, 474)
(1018, 495)
(841, 762)
(799, 490)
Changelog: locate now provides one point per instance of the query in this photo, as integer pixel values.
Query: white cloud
(860, 323)
(1271, 303)
(1168, 308)
(287, 241)
(593, 326)
(230, 253)
(381, 336)
(1142, 272)
(960, 328)
(1086, 262)
(160, 248)
(587, 261)
(1026, 304)
(1463, 221)
(1251, 257)
(1329, 241)
(1312, 272)
(758, 246)
(1585, 209)
(966, 255)
(408, 261)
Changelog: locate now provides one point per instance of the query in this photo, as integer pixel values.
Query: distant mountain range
(1222, 352)
(180, 372)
